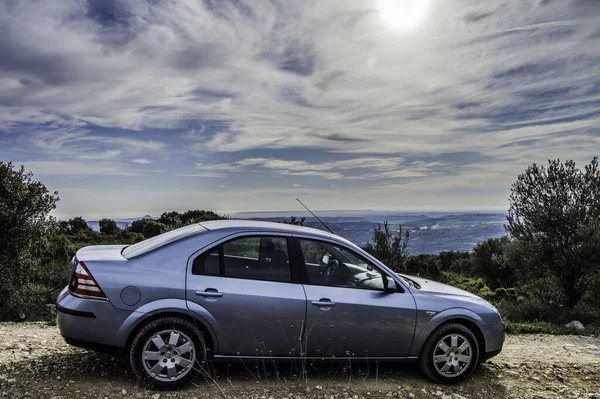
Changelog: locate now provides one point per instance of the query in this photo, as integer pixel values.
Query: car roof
(254, 225)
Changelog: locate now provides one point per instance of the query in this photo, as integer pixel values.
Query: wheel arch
(430, 325)
(473, 327)
(209, 337)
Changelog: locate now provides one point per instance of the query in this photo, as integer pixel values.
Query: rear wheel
(450, 354)
(167, 352)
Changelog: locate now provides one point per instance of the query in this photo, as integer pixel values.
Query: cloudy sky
(135, 107)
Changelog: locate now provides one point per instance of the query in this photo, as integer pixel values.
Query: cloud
(385, 168)
(100, 156)
(201, 174)
(317, 90)
(81, 169)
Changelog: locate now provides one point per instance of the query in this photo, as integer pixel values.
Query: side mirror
(390, 285)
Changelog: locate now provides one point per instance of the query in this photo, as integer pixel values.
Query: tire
(451, 366)
(173, 343)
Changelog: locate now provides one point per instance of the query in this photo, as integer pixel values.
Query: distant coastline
(430, 232)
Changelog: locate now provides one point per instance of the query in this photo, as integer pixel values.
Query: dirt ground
(36, 363)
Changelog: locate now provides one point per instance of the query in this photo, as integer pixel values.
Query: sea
(430, 232)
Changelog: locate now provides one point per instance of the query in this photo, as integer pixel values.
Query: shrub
(473, 285)
(152, 228)
(554, 213)
(388, 248)
(25, 205)
(426, 266)
(108, 226)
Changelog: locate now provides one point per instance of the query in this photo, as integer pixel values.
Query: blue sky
(138, 107)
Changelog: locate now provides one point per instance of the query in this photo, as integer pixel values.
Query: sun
(405, 15)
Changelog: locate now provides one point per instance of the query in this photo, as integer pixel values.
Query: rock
(575, 325)
(124, 391)
(156, 396)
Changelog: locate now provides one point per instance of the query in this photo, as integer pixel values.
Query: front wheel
(450, 354)
(168, 352)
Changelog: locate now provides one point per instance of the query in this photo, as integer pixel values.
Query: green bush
(389, 248)
(473, 285)
(108, 226)
(25, 205)
(426, 266)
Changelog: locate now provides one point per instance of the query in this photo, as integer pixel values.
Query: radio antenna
(311, 212)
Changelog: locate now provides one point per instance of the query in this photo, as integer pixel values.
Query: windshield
(161, 240)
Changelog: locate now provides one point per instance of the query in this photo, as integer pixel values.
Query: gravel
(35, 362)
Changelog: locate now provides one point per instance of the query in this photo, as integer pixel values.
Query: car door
(251, 287)
(349, 314)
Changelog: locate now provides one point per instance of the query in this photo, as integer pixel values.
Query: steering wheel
(331, 271)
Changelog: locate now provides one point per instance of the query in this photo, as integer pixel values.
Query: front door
(348, 312)
(247, 285)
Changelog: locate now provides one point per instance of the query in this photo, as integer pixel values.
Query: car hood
(433, 287)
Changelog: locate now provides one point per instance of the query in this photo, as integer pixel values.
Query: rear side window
(255, 258)
(208, 263)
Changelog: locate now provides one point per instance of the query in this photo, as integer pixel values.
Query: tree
(77, 225)
(152, 228)
(294, 221)
(552, 210)
(197, 216)
(388, 248)
(25, 205)
(137, 226)
(491, 263)
(108, 226)
(170, 218)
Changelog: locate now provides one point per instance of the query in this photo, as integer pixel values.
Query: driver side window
(336, 266)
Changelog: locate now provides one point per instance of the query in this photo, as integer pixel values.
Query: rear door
(250, 285)
(348, 312)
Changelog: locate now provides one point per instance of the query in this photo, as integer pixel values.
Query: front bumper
(496, 334)
(89, 322)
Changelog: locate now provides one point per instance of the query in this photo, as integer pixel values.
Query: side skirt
(332, 358)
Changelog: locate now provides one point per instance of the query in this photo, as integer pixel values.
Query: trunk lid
(101, 253)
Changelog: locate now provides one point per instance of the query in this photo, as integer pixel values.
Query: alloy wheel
(452, 355)
(168, 355)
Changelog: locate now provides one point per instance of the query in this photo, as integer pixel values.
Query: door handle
(210, 293)
(324, 303)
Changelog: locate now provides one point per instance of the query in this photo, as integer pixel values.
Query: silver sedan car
(231, 290)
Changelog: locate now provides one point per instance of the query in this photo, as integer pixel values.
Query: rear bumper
(91, 323)
(108, 349)
(75, 312)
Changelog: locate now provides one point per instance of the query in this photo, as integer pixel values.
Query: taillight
(83, 284)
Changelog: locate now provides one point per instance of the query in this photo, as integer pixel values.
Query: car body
(254, 289)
